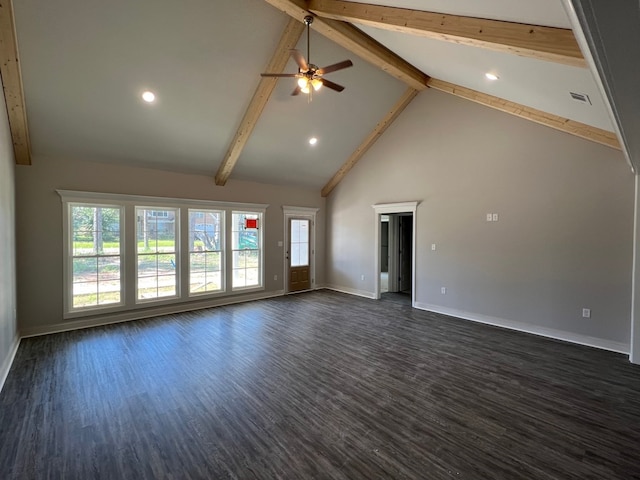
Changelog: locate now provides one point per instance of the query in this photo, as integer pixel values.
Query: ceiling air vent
(580, 97)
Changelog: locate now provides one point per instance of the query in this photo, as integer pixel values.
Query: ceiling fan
(309, 76)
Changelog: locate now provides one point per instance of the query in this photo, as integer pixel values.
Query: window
(247, 248)
(299, 240)
(95, 255)
(205, 251)
(156, 253)
(128, 252)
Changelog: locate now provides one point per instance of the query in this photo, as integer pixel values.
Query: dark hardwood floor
(402, 298)
(317, 385)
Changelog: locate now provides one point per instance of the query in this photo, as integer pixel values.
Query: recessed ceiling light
(313, 140)
(148, 96)
(491, 76)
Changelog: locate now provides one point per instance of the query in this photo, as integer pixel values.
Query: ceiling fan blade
(335, 67)
(296, 91)
(299, 58)
(279, 74)
(331, 85)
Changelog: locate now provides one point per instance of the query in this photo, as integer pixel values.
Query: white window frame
(261, 214)
(155, 210)
(223, 243)
(67, 269)
(128, 262)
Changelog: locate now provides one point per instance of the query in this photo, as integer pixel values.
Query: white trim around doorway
(390, 208)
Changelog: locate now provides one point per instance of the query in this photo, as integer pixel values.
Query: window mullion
(228, 251)
(129, 260)
(183, 252)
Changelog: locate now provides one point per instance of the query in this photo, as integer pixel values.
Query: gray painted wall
(564, 236)
(8, 334)
(39, 211)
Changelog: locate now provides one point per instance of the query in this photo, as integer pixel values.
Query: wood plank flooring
(318, 385)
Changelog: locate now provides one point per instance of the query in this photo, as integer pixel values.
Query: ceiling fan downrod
(308, 20)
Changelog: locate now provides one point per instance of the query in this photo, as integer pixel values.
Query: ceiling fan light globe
(316, 83)
(303, 82)
(305, 89)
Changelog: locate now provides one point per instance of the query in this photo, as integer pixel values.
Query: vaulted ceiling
(84, 65)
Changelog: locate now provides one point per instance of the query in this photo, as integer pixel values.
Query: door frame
(303, 213)
(385, 209)
(399, 251)
(393, 249)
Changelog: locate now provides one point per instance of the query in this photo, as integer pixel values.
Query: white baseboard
(351, 291)
(528, 328)
(146, 313)
(8, 361)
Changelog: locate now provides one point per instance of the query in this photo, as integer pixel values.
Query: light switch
(433, 246)
(280, 243)
(489, 217)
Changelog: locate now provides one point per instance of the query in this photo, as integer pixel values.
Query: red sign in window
(250, 223)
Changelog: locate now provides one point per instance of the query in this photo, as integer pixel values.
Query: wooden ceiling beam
(366, 144)
(544, 43)
(357, 42)
(12, 85)
(578, 129)
(288, 40)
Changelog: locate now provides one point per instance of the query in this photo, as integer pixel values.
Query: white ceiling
(338, 120)
(534, 83)
(531, 82)
(85, 63)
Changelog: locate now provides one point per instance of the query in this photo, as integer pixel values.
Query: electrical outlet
(443, 290)
(489, 217)
(361, 277)
(433, 246)
(586, 313)
(275, 277)
(495, 217)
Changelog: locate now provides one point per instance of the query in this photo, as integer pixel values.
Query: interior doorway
(384, 253)
(404, 252)
(395, 252)
(396, 257)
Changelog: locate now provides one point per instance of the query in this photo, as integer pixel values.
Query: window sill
(97, 312)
